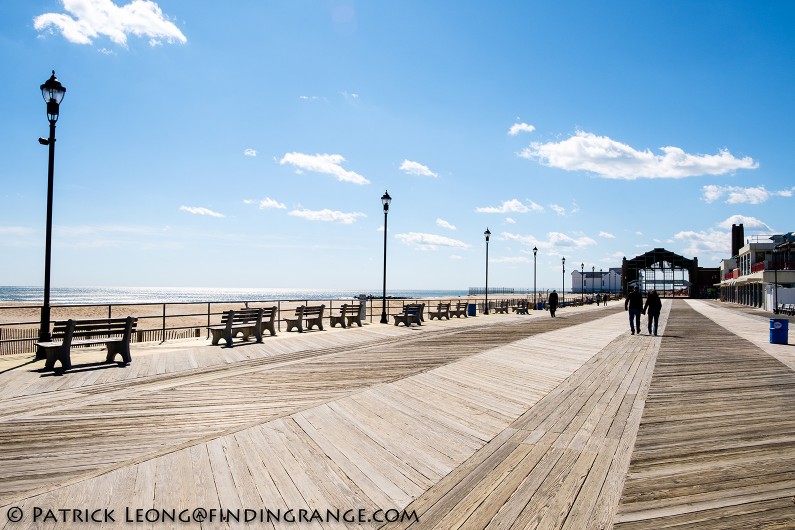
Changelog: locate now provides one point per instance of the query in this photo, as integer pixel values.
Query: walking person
(652, 309)
(553, 302)
(634, 304)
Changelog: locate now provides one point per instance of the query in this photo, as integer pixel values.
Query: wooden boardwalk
(505, 421)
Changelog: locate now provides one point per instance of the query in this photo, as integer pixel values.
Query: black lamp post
(53, 92)
(488, 235)
(535, 296)
(601, 282)
(593, 280)
(582, 282)
(563, 291)
(385, 200)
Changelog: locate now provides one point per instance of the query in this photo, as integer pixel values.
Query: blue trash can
(472, 310)
(540, 306)
(778, 330)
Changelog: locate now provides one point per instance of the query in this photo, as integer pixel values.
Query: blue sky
(248, 143)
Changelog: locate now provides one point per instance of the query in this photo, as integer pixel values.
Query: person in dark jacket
(652, 309)
(553, 303)
(634, 304)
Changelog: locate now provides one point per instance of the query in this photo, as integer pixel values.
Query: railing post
(164, 324)
(208, 319)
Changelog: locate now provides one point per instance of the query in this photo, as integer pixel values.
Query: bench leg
(270, 327)
(217, 334)
(64, 355)
(118, 348)
(51, 355)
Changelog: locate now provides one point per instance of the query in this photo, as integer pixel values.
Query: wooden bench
(412, 314)
(349, 313)
(521, 307)
(460, 310)
(311, 314)
(442, 310)
(248, 321)
(114, 333)
(419, 308)
(501, 307)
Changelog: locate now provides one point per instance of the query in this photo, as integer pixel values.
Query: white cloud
(606, 235)
(88, 19)
(328, 216)
(312, 98)
(612, 159)
(510, 221)
(554, 240)
(198, 210)
(739, 195)
(250, 152)
(747, 222)
(705, 242)
(558, 209)
(444, 224)
(429, 241)
(511, 206)
(267, 202)
(349, 95)
(415, 168)
(456, 256)
(516, 128)
(328, 164)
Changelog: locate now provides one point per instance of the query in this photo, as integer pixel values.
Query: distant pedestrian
(653, 307)
(599, 299)
(604, 300)
(553, 303)
(634, 304)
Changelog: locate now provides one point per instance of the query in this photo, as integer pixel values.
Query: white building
(596, 281)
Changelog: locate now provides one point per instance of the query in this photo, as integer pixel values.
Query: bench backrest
(461, 305)
(443, 306)
(351, 309)
(310, 311)
(67, 330)
(241, 316)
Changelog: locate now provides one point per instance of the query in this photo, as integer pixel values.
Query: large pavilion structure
(670, 274)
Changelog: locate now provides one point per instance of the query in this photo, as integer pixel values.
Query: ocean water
(139, 295)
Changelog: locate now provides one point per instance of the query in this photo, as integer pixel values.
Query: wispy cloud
(554, 240)
(511, 206)
(615, 160)
(511, 259)
(517, 128)
(198, 210)
(429, 241)
(510, 220)
(444, 224)
(312, 98)
(86, 20)
(415, 168)
(606, 235)
(739, 195)
(323, 163)
(328, 216)
(558, 209)
(250, 152)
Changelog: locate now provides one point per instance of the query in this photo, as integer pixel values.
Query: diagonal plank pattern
(716, 446)
(379, 447)
(91, 429)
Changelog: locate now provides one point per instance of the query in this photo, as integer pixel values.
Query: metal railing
(163, 321)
